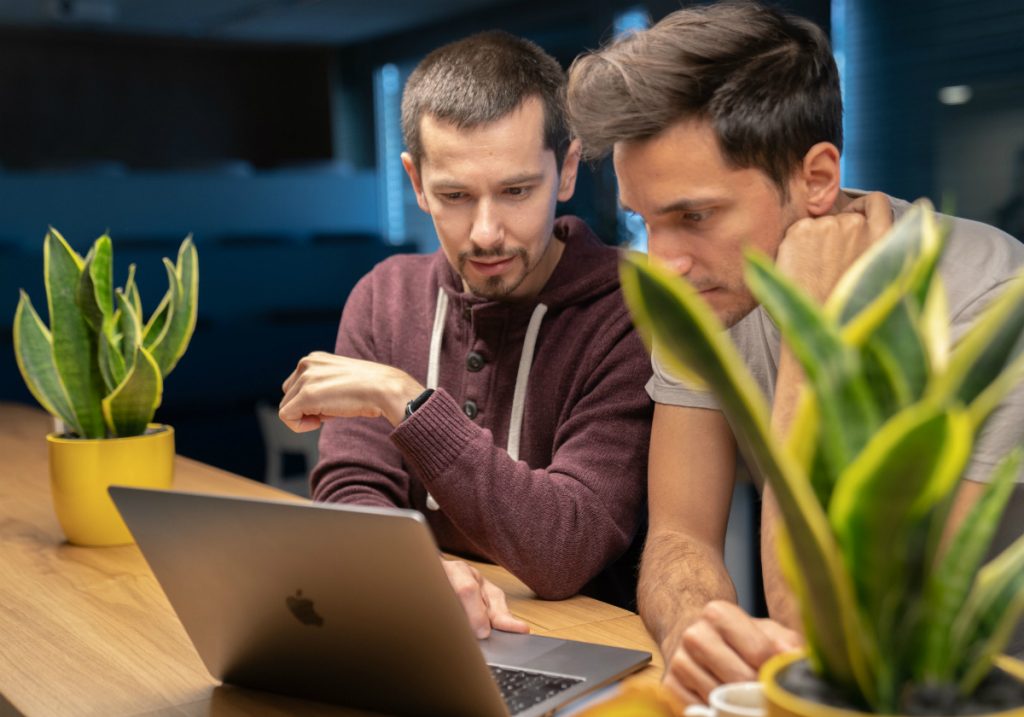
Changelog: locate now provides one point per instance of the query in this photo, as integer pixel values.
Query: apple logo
(302, 609)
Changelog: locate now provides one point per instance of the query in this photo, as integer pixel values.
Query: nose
(487, 231)
(674, 253)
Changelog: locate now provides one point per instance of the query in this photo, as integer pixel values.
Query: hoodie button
(469, 408)
(474, 361)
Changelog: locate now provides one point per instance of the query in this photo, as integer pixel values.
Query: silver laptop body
(343, 604)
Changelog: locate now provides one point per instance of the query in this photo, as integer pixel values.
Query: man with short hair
(496, 385)
(726, 133)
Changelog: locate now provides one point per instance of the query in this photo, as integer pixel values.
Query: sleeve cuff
(436, 434)
(677, 395)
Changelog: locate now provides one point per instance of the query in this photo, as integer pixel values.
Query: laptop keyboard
(522, 689)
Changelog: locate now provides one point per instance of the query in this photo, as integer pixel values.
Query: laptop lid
(343, 604)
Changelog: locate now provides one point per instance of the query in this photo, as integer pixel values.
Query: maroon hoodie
(572, 502)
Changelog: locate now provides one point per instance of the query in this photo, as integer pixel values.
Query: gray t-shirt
(977, 263)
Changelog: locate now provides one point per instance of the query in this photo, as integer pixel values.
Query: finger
(690, 675)
(497, 610)
(709, 649)
(783, 638)
(876, 209)
(300, 368)
(507, 622)
(302, 409)
(879, 214)
(289, 417)
(687, 697)
(309, 423)
(290, 396)
(292, 378)
(476, 611)
(467, 588)
(292, 415)
(744, 638)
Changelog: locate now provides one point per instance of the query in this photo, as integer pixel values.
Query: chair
(279, 440)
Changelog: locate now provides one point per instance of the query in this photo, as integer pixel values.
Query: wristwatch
(417, 402)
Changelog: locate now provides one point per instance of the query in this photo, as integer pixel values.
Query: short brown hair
(766, 82)
(480, 79)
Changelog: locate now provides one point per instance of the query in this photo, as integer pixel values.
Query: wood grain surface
(87, 631)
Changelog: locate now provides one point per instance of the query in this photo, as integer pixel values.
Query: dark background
(253, 125)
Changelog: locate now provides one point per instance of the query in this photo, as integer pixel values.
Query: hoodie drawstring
(515, 427)
(436, 334)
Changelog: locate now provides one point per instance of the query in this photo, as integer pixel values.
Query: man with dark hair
(496, 385)
(726, 133)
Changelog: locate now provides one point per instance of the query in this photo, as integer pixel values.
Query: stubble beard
(495, 287)
(732, 314)
(731, 317)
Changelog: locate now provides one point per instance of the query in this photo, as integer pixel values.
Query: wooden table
(87, 631)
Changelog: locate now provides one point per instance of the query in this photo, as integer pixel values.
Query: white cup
(735, 699)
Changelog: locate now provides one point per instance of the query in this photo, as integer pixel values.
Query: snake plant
(866, 476)
(99, 366)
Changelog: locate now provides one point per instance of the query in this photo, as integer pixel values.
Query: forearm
(780, 600)
(678, 577)
(351, 485)
(556, 527)
(359, 465)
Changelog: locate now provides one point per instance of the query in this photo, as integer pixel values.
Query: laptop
(347, 605)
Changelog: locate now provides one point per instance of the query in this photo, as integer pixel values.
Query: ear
(818, 179)
(417, 183)
(570, 168)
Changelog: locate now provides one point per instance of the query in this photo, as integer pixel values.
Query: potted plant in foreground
(99, 369)
(897, 617)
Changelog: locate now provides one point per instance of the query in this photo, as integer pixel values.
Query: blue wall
(279, 252)
(81, 204)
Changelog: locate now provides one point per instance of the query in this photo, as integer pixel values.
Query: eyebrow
(681, 205)
(525, 178)
(447, 184)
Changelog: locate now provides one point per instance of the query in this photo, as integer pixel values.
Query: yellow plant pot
(81, 470)
(781, 703)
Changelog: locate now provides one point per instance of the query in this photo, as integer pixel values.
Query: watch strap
(417, 402)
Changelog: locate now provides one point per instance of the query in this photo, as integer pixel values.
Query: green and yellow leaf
(844, 402)
(183, 293)
(74, 347)
(993, 608)
(993, 344)
(899, 265)
(95, 288)
(669, 311)
(130, 408)
(950, 581)
(33, 350)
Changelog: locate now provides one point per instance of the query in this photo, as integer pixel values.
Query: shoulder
(399, 273)
(403, 266)
(396, 285)
(586, 243)
(585, 250)
(587, 272)
(978, 261)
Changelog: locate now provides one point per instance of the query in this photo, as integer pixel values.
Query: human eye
(695, 217)
(517, 191)
(452, 196)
